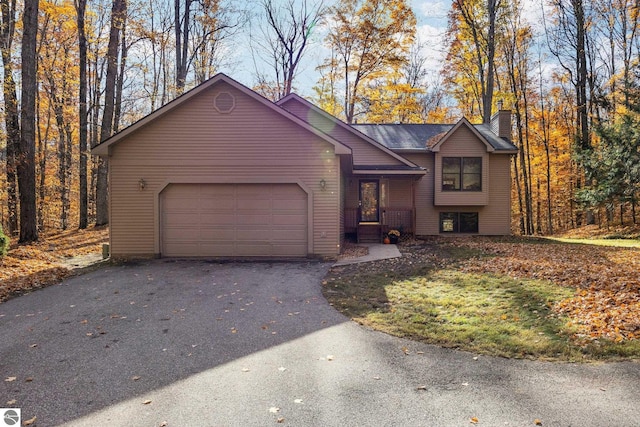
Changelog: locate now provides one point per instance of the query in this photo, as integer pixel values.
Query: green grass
(622, 243)
(481, 313)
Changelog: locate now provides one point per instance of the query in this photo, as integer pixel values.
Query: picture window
(462, 174)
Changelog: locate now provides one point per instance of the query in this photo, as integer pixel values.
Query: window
(462, 174)
(458, 222)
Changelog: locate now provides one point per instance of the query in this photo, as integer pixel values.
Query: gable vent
(224, 102)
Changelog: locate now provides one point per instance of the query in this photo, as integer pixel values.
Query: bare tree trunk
(118, 14)
(182, 26)
(42, 157)
(545, 140)
(120, 80)
(11, 116)
(26, 153)
(582, 137)
(81, 6)
(487, 99)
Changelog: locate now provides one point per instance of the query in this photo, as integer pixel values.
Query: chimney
(501, 122)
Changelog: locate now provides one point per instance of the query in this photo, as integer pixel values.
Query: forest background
(76, 72)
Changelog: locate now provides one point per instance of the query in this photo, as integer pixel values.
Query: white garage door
(234, 220)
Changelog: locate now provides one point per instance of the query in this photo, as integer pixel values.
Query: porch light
(142, 184)
(323, 185)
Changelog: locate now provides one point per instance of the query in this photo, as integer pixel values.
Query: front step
(369, 233)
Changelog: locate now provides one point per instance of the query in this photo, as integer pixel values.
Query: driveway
(193, 343)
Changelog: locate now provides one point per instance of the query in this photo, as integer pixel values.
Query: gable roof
(429, 137)
(380, 145)
(102, 149)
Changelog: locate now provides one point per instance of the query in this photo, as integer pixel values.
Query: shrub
(4, 243)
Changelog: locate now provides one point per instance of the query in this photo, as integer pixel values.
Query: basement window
(458, 222)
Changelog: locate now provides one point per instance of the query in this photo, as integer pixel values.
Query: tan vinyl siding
(463, 143)
(494, 218)
(364, 153)
(195, 143)
(400, 193)
(426, 223)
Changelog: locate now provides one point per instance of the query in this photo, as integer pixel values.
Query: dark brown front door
(369, 201)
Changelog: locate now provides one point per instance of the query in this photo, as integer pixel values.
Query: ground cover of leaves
(606, 302)
(29, 267)
(607, 280)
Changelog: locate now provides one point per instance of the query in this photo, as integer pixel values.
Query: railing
(398, 218)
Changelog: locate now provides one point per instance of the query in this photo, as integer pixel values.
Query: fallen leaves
(607, 281)
(30, 267)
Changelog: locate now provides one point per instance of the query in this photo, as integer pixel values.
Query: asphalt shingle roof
(417, 136)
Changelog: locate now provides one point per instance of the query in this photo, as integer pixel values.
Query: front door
(369, 201)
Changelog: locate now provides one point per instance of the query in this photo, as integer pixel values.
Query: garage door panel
(182, 234)
(256, 236)
(181, 219)
(218, 204)
(213, 249)
(216, 220)
(234, 220)
(296, 206)
(285, 219)
(253, 220)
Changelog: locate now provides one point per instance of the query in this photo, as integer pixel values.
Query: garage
(233, 220)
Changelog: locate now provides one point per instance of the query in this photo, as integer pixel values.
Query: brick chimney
(501, 122)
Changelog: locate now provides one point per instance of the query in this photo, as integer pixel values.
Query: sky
(431, 16)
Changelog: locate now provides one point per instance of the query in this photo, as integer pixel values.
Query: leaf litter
(607, 281)
(47, 262)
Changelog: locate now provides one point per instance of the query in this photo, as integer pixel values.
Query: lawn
(511, 297)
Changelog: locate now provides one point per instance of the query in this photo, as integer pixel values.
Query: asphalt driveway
(194, 343)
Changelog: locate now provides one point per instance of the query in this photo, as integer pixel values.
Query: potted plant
(394, 236)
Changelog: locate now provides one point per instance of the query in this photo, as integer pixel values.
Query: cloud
(432, 10)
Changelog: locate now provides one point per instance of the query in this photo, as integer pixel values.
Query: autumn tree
(83, 135)
(612, 166)
(283, 40)
(515, 49)
(404, 95)
(470, 66)
(369, 40)
(118, 16)
(57, 53)
(25, 156)
(200, 28)
(568, 41)
(11, 112)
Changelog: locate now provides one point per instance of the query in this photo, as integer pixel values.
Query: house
(223, 172)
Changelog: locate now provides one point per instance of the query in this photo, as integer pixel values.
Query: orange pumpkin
(386, 241)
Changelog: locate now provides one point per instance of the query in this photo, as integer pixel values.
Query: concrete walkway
(377, 251)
